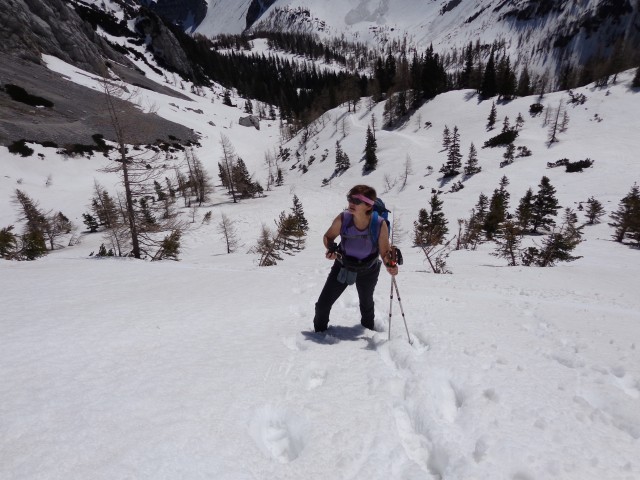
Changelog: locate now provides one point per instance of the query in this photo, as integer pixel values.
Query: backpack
(379, 210)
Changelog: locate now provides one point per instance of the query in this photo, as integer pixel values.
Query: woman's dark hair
(367, 191)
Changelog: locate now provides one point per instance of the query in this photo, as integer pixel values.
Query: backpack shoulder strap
(374, 228)
(347, 220)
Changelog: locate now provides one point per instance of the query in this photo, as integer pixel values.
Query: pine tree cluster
(291, 230)
(42, 231)
(626, 219)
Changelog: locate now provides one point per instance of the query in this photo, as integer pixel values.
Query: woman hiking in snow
(356, 258)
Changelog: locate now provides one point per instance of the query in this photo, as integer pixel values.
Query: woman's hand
(331, 255)
(392, 270)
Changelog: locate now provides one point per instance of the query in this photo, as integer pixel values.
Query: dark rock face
(187, 14)
(32, 27)
(164, 44)
(256, 9)
(77, 112)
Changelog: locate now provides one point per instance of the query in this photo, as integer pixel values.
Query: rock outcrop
(32, 27)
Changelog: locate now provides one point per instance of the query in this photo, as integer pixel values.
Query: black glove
(332, 247)
(394, 257)
(398, 255)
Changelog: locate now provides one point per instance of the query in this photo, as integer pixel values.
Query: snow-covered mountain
(208, 368)
(543, 33)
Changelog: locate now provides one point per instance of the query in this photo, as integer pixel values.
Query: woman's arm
(330, 235)
(385, 249)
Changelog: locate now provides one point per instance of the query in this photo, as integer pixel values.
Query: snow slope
(208, 367)
(224, 16)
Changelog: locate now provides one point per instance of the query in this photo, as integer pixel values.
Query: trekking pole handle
(332, 247)
(394, 257)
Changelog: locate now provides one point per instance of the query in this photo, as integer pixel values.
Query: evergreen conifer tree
(481, 208)
(389, 111)
(169, 247)
(467, 73)
(472, 167)
(222, 175)
(558, 245)
(298, 213)
(506, 79)
(509, 154)
(524, 212)
(508, 239)
(226, 98)
(545, 205)
(104, 207)
(33, 236)
(420, 228)
(160, 194)
(8, 243)
(454, 158)
(91, 222)
(267, 248)
(626, 220)
(505, 125)
(446, 138)
(489, 86)
(524, 83)
(241, 178)
(636, 79)
(493, 116)
(594, 212)
(498, 207)
(342, 159)
(370, 157)
(431, 227)
(147, 219)
(473, 226)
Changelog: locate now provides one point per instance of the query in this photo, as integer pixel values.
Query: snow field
(208, 367)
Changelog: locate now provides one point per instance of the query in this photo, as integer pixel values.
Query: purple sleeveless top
(357, 243)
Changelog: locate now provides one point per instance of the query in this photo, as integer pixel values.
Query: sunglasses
(358, 201)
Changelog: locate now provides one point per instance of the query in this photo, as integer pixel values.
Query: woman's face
(357, 205)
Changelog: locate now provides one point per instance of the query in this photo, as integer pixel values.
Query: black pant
(365, 284)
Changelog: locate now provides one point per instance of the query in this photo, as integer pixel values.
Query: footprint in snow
(278, 433)
(295, 343)
(627, 384)
(315, 376)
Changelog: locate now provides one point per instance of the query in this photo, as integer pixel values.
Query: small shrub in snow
(578, 166)
(535, 109)
(20, 147)
(502, 139)
(577, 98)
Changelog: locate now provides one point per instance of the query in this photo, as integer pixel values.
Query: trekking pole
(395, 284)
(390, 308)
(395, 258)
(391, 293)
